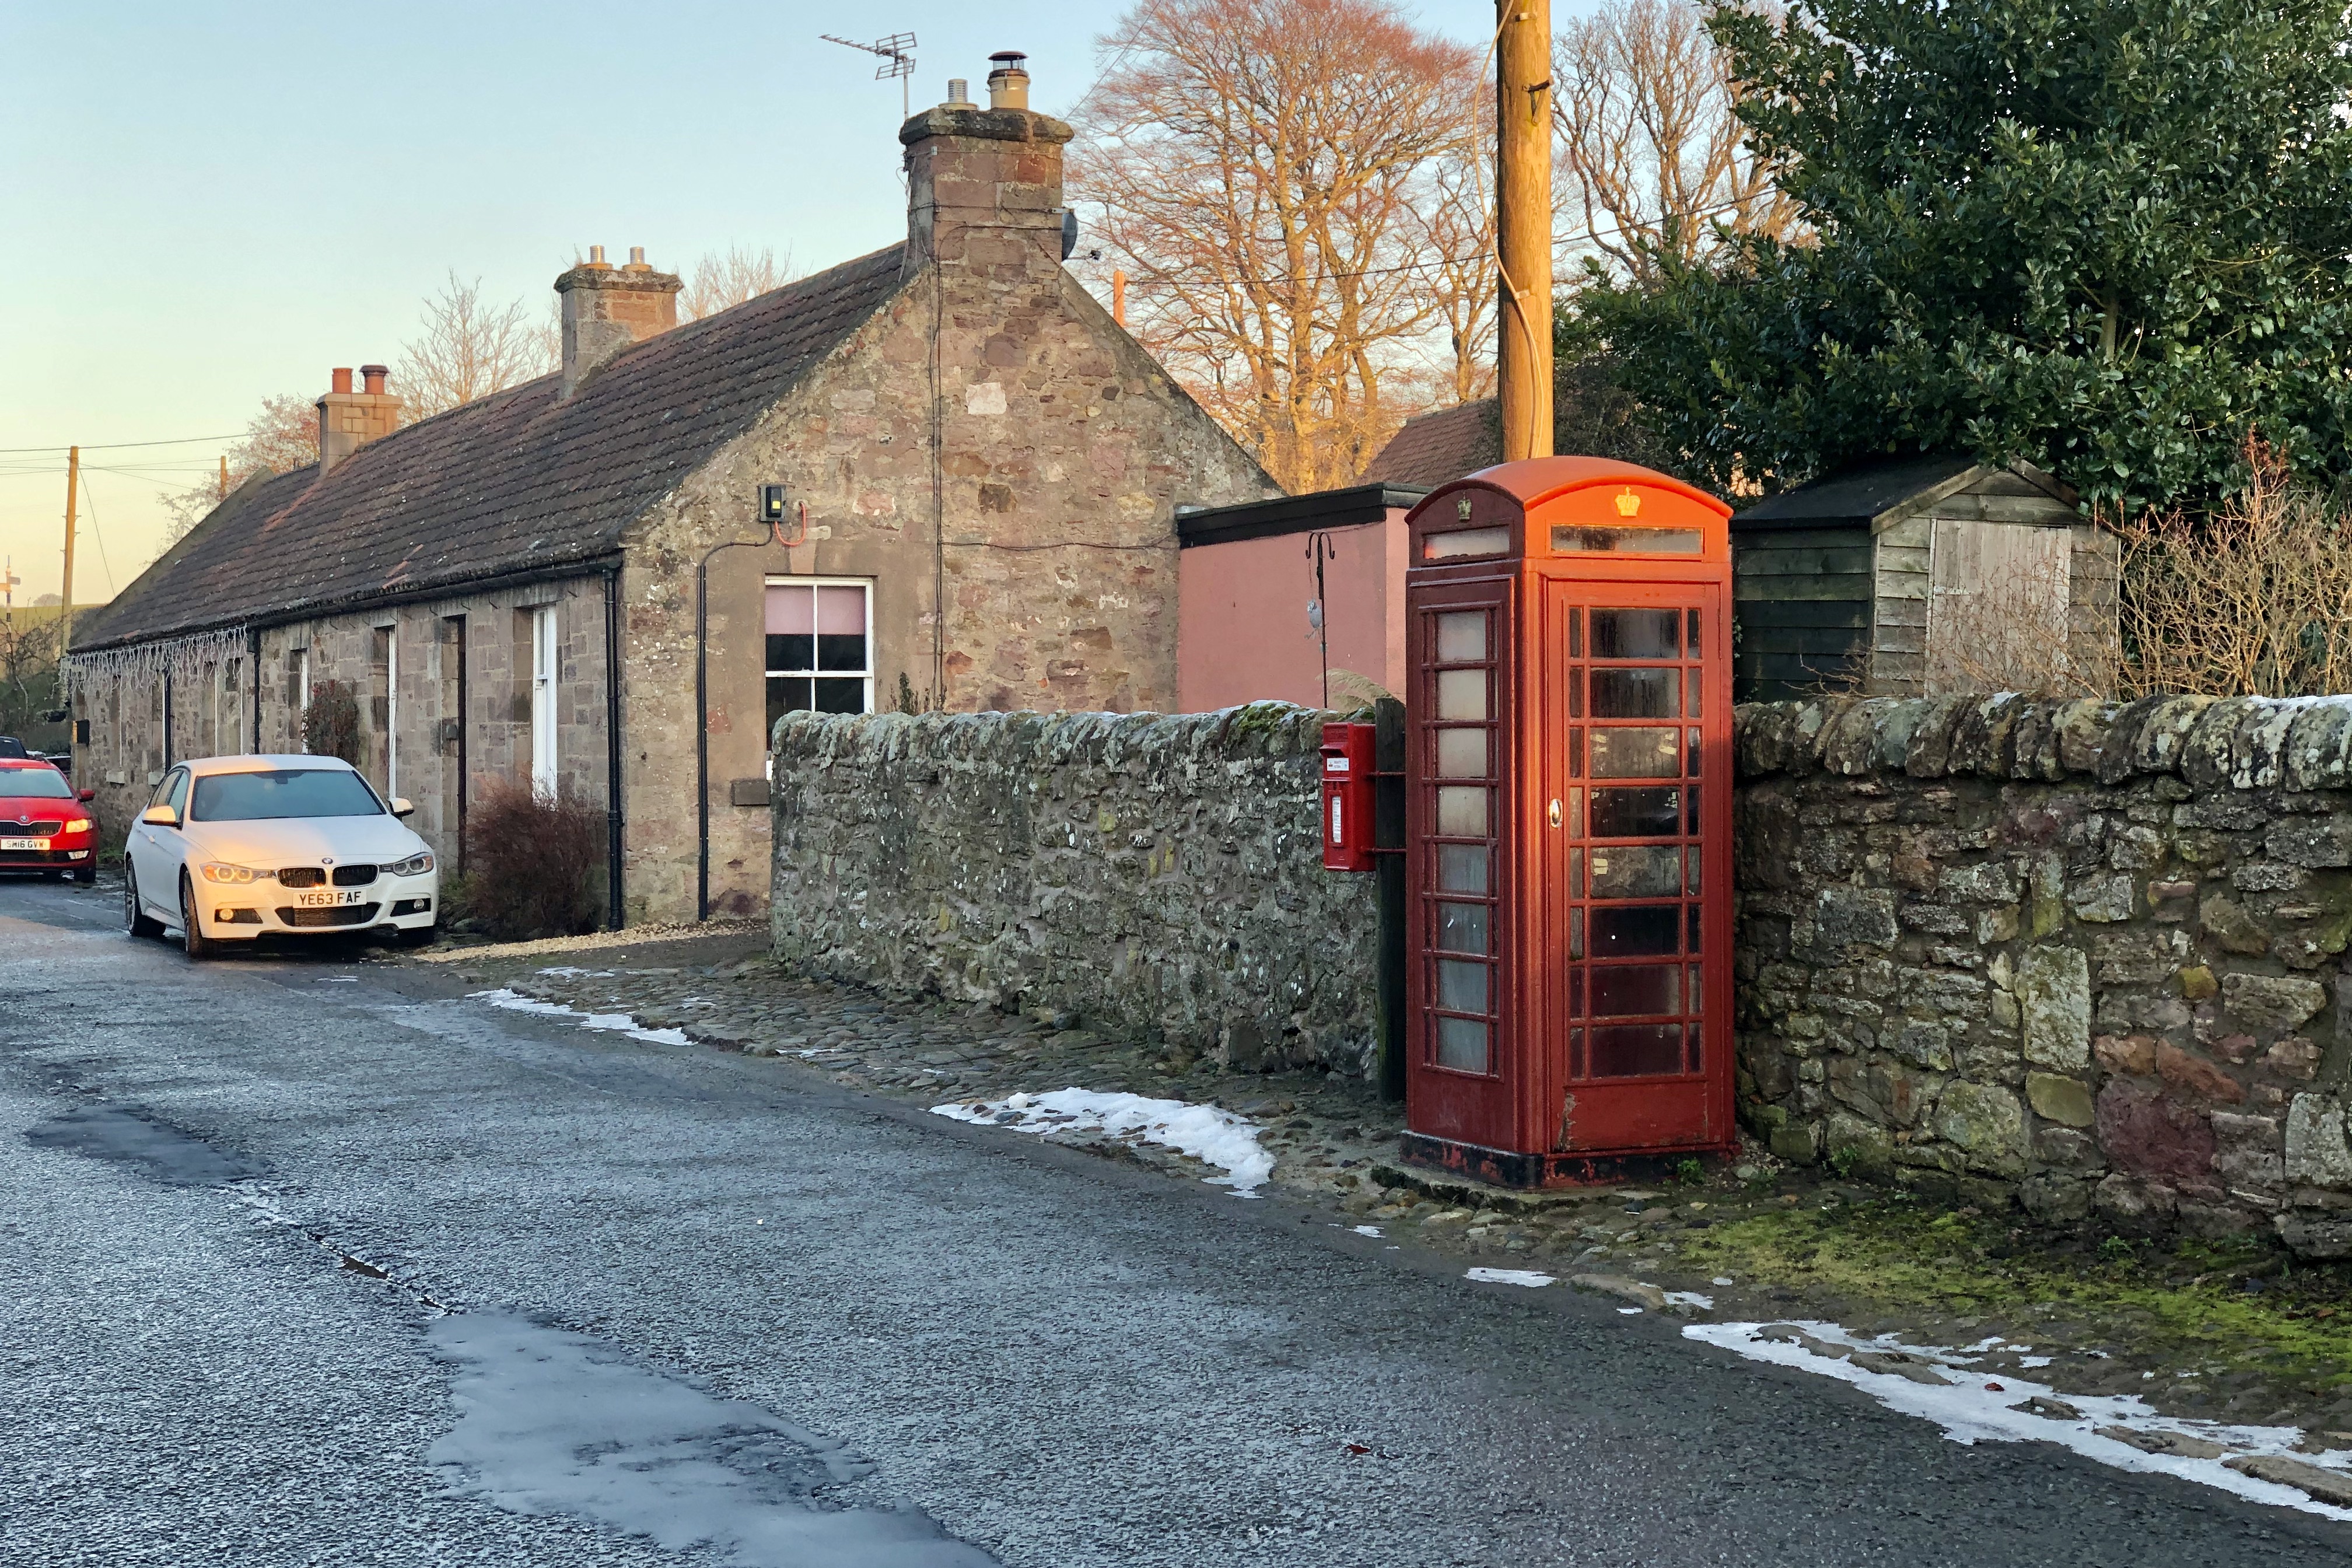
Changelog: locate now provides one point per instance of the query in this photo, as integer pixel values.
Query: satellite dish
(1069, 232)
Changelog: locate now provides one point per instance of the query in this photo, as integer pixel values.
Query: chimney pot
(637, 260)
(340, 380)
(959, 94)
(372, 379)
(1008, 82)
(596, 256)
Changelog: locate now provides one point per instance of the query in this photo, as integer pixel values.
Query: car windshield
(40, 783)
(289, 792)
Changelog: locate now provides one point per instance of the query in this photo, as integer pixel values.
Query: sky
(203, 205)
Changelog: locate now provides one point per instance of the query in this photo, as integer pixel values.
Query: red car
(45, 825)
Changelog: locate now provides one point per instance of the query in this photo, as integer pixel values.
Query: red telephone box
(1568, 823)
(1348, 772)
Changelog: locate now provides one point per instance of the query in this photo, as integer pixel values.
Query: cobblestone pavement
(1334, 1142)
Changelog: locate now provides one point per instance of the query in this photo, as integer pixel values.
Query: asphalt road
(644, 1304)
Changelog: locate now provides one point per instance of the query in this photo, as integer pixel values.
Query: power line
(117, 446)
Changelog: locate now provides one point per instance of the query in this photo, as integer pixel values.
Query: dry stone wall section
(1157, 877)
(2083, 955)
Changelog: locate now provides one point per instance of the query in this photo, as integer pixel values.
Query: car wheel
(87, 876)
(198, 945)
(135, 919)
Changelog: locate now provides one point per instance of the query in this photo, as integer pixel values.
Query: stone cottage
(580, 581)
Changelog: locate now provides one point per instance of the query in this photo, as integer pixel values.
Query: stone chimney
(349, 420)
(984, 185)
(606, 309)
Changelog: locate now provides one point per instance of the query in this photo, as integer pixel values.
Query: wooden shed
(1917, 576)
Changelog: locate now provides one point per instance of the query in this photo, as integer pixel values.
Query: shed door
(1995, 605)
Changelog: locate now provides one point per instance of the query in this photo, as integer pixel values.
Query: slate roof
(1853, 496)
(1433, 449)
(512, 482)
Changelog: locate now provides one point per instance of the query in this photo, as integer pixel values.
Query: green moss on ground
(2224, 1306)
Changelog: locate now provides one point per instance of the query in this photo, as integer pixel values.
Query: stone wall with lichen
(2084, 956)
(1159, 878)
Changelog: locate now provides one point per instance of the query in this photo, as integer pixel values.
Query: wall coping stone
(2298, 743)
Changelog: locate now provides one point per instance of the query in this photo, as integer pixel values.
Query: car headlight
(238, 875)
(83, 825)
(416, 865)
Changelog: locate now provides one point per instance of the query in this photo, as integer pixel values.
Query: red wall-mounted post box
(1348, 769)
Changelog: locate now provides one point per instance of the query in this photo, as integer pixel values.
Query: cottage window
(820, 647)
(542, 700)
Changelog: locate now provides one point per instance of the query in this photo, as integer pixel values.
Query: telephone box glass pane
(1462, 1045)
(1630, 753)
(1654, 813)
(1462, 868)
(1635, 634)
(1610, 540)
(1468, 541)
(1462, 638)
(1693, 928)
(1636, 933)
(1697, 678)
(1462, 928)
(1637, 871)
(1461, 987)
(1636, 1051)
(1635, 693)
(1637, 991)
(1462, 694)
(1462, 753)
(1462, 813)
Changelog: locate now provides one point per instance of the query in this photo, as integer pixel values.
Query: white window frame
(865, 585)
(391, 708)
(301, 698)
(543, 673)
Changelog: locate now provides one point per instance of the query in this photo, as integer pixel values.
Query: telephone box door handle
(1554, 814)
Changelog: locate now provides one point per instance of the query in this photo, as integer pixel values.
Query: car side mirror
(160, 816)
(401, 806)
(85, 795)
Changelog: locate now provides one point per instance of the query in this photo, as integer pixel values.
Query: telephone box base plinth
(1511, 1168)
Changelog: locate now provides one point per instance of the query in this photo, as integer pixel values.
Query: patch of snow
(1628, 1312)
(1527, 1277)
(1211, 1135)
(617, 1023)
(1973, 1411)
(2036, 1361)
(1722, 1279)
(1366, 1229)
(339, 980)
(569, 972)
(1690, 1298)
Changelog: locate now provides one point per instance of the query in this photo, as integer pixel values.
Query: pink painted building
(1246, 577)
(1246, 590)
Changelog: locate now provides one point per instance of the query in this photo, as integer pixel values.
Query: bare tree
(1266, 171)
(281, 438)
(1457, 223)
(731, 277)
(1649, 152)
(468, 349)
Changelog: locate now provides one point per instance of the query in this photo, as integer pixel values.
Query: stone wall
(1160, 877)
(2083, 955)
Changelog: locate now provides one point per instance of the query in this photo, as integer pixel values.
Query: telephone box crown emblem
(1462, 508)
(1627, 503)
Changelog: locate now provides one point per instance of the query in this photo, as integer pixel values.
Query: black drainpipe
(616, 915)
(702, 713)
(167, 717)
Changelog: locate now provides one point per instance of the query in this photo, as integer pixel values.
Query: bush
(330, 721)
(534, 863)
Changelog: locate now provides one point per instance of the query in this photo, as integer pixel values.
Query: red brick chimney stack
(606, 309)
(984, 185)
(349, 420)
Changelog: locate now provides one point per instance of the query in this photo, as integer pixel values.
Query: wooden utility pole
(1523, 224)
(223, 479)
(1119, 296)
(73, 488)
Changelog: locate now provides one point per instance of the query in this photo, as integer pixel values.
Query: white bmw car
(232, 848)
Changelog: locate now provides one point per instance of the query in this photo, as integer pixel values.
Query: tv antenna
(898, 52)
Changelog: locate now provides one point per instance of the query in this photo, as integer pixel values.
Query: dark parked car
(12, 747)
